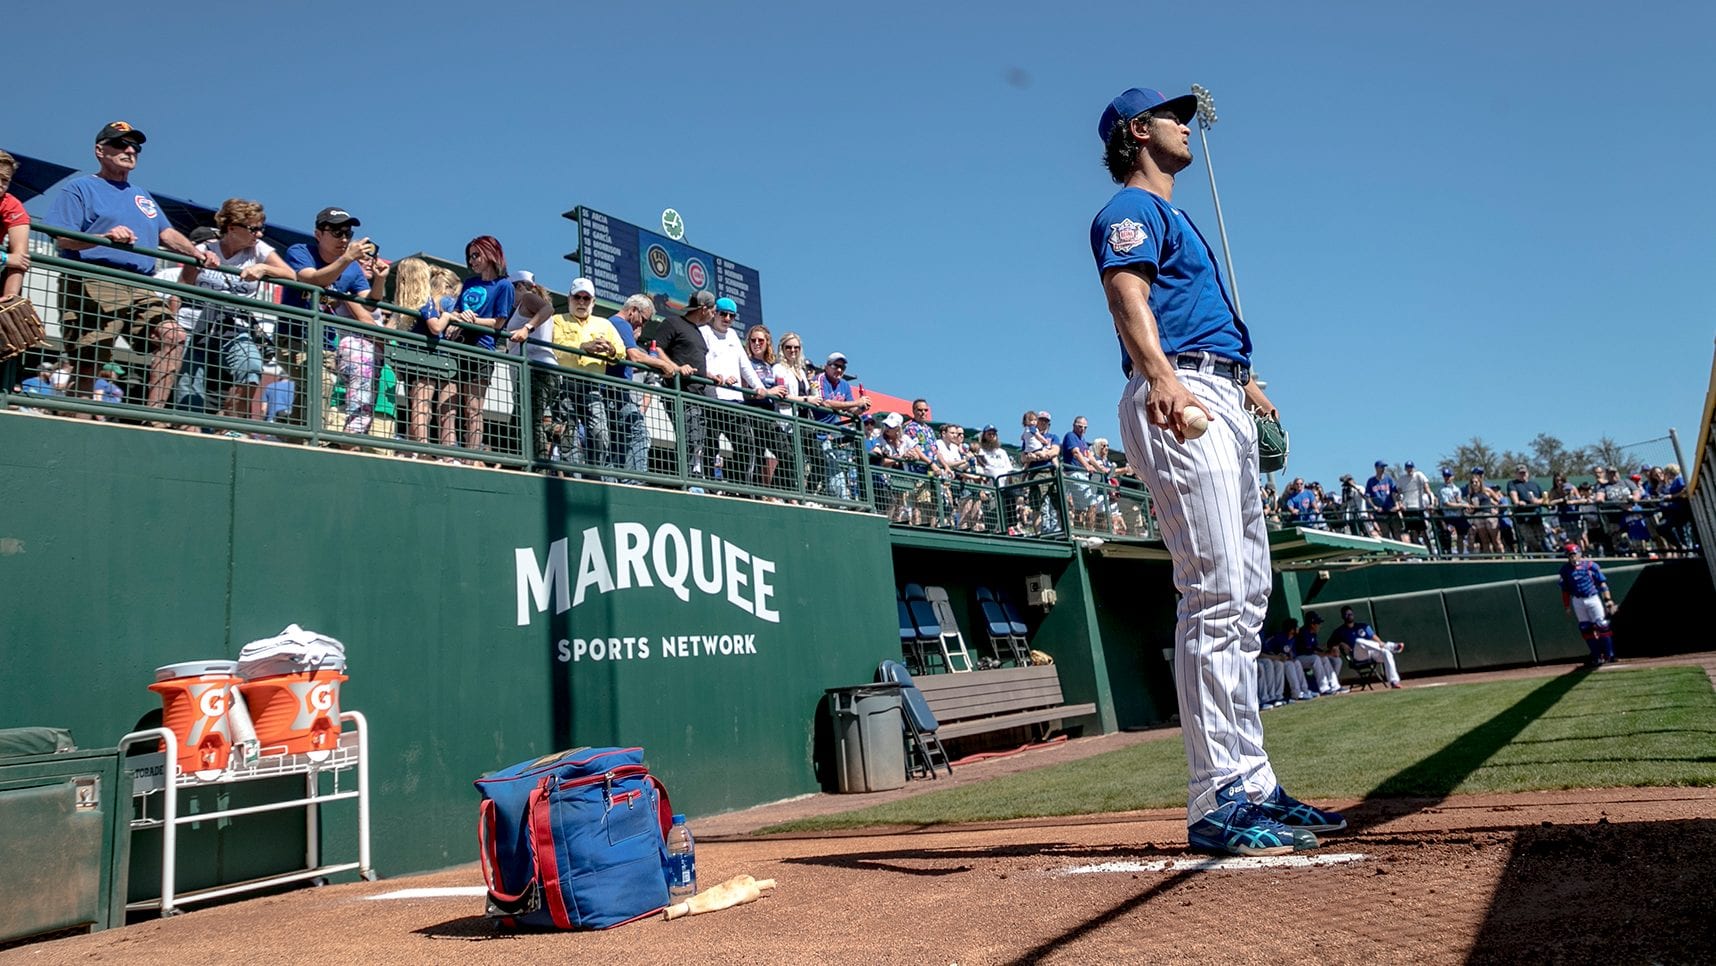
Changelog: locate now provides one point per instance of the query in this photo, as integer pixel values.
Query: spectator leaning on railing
(1527, 499)
(774, 442)
(330, 262)
(484, 303)
(1416, 501)
(1456, 529)
(586, 408)
(630, 434)
(1081, 469)
(229, 329)
(15, 224)
(1483, 507)
(680, 338)
(835, 394)
(1384, 497)
(530, 334)
(95, 311)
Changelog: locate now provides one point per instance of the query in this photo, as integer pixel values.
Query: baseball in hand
(1194, 421)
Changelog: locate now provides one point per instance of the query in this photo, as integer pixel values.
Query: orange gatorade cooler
(195, 696)
(298, 710)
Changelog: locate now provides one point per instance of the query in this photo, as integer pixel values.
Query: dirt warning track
(1618, 875)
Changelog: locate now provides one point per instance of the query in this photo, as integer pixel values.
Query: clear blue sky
(1447, 220)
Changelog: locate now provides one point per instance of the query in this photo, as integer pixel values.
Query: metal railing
(1610, 528)
(219, 361)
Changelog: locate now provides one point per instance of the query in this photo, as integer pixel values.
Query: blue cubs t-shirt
(1193, 314)
(486, 300)
(95, 205)
(1382, 492)
(839, 389)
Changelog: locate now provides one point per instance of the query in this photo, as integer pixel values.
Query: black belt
(1225, 368)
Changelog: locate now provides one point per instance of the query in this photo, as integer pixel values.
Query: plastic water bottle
(681, 861)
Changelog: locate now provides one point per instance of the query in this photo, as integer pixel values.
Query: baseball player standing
(1186, 354)
(1585, 593)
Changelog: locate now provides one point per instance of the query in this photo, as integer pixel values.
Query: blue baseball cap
(1382, 463)
(1135, 101)
(727, 305)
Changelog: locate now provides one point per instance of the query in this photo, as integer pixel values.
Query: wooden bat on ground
(734, 892)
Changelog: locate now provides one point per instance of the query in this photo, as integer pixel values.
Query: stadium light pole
(1206, 119)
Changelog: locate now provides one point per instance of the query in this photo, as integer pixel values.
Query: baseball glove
(1610, 607)
(1271, 445)
(20, 328)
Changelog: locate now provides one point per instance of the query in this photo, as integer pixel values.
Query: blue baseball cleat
(1240, 828)
(1296, 815)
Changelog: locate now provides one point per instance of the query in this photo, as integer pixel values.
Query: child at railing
(357, 365)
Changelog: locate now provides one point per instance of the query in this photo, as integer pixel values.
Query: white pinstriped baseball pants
(1206, 499)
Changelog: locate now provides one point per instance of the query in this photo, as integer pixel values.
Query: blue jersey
(1305, 642)
(1382, 492)
(1193, 313)
(1582, 579)
(1304, 506)
(95, 205)
(1346, 635)
(1278, 644)
(486, 300)
(839, 389)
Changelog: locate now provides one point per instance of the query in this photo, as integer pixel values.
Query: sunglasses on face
(120, 145)
(345, 231)
(759, 340)
(728, 315)
(253, 229)
(581, 297)
(789, 348)
(837, 365)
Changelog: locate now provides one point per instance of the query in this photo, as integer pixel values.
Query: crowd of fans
(215, 358)
(1641, 514)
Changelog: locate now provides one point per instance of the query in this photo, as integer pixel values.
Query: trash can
(65, 829)
(869, 737)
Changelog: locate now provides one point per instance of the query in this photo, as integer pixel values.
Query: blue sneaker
(1296, 815)
(1240, 828)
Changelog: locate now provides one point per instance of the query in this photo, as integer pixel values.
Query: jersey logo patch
(146, 205)
(1126, 235)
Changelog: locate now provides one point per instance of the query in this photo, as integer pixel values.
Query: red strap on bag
(486, 854)
(663, 807)
(541, 834)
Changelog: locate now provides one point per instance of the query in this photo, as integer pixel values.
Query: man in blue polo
(1080, 469)
(1384, 497)
(95, 311)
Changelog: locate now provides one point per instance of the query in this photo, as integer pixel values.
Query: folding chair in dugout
(952, 640)
(910, 646)
(931, 640)
(919, 723)
(1369, 672)
(1006, 639)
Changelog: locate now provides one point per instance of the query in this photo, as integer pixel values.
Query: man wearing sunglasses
(837, 454)
(334, 262)
(96, 311)
(680, 338)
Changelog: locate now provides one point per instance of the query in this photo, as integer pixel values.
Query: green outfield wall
(488, 616)
(1472, 615)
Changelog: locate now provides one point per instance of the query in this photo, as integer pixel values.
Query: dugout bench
(979, 702)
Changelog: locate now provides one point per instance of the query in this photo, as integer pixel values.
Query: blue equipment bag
(574, 840)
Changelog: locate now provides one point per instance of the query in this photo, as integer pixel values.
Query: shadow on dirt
(468, 929)
(915, 861)
(1613, 893)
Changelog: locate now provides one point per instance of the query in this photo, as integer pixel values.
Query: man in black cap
(680, 339)
(96, 310)
(334, 262)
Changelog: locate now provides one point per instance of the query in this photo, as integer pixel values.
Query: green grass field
(1615, 729)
